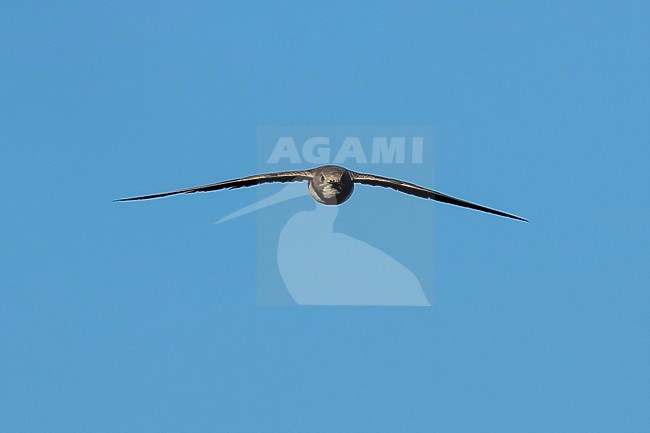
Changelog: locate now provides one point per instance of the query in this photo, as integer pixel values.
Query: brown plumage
(332, 185)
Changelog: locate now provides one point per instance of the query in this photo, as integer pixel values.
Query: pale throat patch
(328, 192)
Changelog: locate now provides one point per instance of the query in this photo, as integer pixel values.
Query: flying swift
(331, 185)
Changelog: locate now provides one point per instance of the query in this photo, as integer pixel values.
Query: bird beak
(336, 185)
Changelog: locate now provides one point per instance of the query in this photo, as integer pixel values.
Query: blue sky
(131, 318)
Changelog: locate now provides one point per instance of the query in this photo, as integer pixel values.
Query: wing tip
(504, 214)
(144, 197)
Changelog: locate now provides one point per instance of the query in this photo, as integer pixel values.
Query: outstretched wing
(285, 176)
(418, 191)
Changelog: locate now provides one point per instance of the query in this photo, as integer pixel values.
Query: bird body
(332, 185)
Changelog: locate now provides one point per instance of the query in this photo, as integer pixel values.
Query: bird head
(332, 184)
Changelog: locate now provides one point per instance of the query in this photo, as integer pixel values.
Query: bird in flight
(331, 185)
